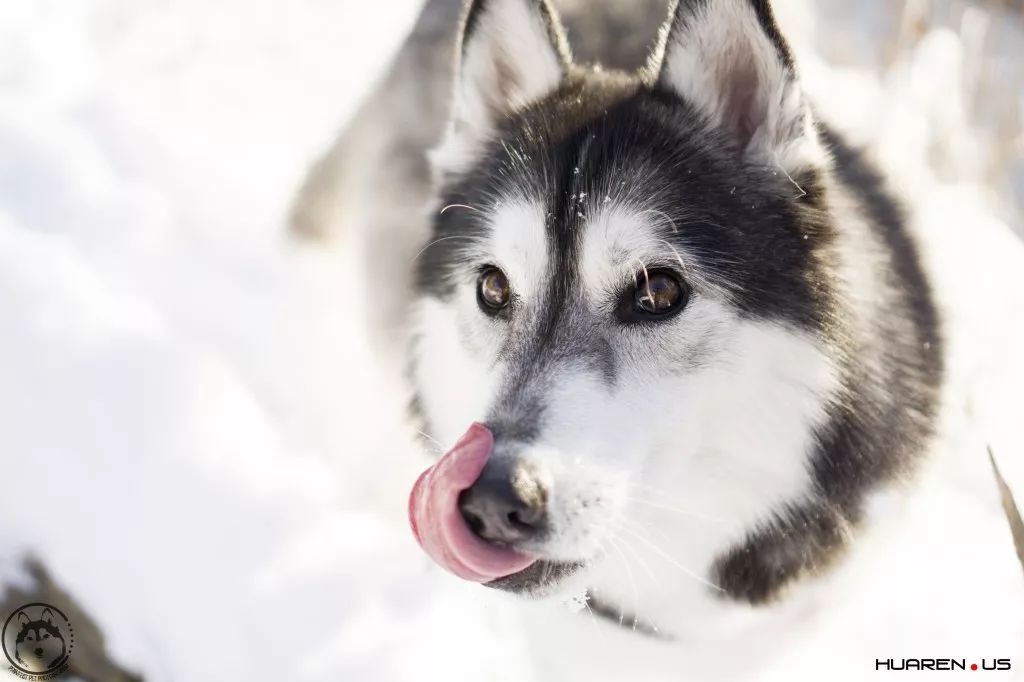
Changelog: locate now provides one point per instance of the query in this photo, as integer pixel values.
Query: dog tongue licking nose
(437, 522)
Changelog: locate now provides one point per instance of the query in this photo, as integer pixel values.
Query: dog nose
(39, 651)
(507, 504)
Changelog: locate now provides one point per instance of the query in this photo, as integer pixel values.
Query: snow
(181, 385)
(193, 436)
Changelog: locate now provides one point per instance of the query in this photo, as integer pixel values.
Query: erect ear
(23, 618)
(510, 54)
(728, 58)
(46, 616)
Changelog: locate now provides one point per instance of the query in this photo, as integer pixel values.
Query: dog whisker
(430, 445)
(670, 559)
(648, 494)
(632, 582)
(431, 439)
(438, 241)
(647, 282)
(676, 510)
(441, 212)
(640, 560)
(593, 616)
(664, 215)
(789, 177)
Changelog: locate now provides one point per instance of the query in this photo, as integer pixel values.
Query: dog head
(39, 644)
(627, 288)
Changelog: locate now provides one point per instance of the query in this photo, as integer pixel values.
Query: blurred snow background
(192, 434)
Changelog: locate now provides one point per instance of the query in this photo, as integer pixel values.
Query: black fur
(882, 426)
(598, 607)
(537, 578)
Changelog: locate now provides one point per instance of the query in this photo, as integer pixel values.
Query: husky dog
(39, 645)
(670, 320)
(674, 288)
(682, 316)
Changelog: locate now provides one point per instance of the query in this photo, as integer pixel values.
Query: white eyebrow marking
(621, 235)
(518, 244)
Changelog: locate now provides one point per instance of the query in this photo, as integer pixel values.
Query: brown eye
(659, 293)
(492, 290)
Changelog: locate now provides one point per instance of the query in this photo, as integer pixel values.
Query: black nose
(39, 651)
(507, 504)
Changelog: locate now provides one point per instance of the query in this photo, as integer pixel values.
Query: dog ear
(510, 53)
(47, 616)
(728, 59)
(23, 618)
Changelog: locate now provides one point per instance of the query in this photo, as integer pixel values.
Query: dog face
(39, 645)
(628, 285)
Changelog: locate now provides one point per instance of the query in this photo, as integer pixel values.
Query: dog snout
(507, 504)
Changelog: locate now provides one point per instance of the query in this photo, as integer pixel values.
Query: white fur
(507, 62)
(621, 243)
(725, 64)
(455, 375)
(518, 245)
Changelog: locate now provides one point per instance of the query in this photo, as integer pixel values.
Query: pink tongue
(437, 523)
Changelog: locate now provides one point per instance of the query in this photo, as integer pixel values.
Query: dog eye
(46, 636)
(659, 293)
(492, 290)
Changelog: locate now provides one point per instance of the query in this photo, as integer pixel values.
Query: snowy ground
(192, 436)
